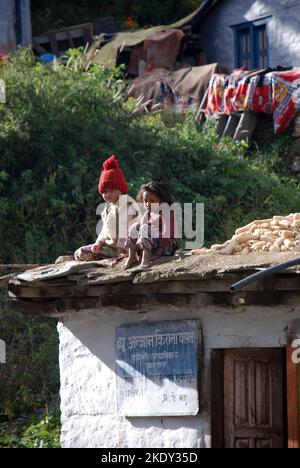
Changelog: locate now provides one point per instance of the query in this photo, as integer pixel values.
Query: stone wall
(217, 36)
(26, 23)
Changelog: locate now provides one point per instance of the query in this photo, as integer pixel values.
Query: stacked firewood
(279, 234)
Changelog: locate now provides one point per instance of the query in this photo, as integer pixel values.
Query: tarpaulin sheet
(107, 55)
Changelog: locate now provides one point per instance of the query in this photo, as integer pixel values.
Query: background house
(252, 33)
(15, 24)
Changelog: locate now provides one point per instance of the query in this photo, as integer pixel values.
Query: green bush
(57, 14)
(57, 128)
(30, 377)
(29, 380)
(37, 433)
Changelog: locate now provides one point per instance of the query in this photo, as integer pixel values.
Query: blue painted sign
(157, 368)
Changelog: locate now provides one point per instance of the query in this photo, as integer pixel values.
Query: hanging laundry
(286, 98)
(275, 93)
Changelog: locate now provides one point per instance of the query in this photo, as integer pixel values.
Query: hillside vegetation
(57, 127)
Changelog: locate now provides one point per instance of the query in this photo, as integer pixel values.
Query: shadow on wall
(85, 344)
(90, 339)
(284, 31)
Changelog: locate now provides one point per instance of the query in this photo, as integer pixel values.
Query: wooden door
(254, 398)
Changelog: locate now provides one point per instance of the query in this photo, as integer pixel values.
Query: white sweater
(110, 230)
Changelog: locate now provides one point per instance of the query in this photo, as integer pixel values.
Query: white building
(15, 24)
(169, 357)
(254, 33)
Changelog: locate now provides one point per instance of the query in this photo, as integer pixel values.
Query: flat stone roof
(182, 267)
(75, 285)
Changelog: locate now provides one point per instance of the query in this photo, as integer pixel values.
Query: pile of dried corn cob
(279, 234)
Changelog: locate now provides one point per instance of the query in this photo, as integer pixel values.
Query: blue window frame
(251, 44)
(19, 32)
(261, 56)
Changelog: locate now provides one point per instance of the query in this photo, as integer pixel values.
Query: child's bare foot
(146, 260)
(131, 260)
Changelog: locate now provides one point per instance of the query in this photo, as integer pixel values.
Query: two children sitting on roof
(142, 242)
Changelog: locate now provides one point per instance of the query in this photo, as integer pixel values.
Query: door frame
(293, 409)
(217, 398)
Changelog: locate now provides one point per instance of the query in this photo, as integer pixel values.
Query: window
(260, 47)
(244, 57)
(18, 10)
(251, 44)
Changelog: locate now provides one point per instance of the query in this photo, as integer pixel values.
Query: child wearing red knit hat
(112, 185)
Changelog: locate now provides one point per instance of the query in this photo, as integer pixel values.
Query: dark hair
(159, 189)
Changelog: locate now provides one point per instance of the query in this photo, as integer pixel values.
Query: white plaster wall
(7, 25)
(26, 23)
(217, 37)
(88, 383)
(6, 21)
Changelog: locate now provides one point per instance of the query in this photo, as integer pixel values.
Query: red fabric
(167, 230)
(112, 177)
(3, 57)
(285, 98)
(162, 48)
(150, 68)
(260, 99)
(161, 226)
(276, 93)
(158, 51)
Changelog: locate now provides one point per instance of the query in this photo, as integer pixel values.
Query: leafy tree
(56, 14)
(57, 128)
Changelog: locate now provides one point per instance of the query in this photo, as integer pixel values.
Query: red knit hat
(112, 177)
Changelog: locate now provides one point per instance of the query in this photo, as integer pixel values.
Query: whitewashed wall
(217, 37)
(26, 23)
(8, 42)
(88, 381)
(7, 34)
